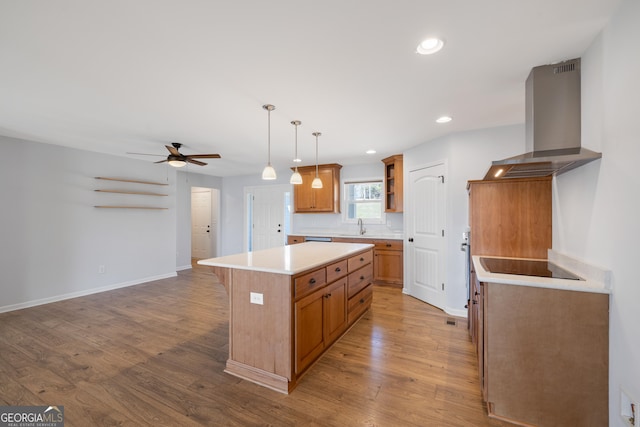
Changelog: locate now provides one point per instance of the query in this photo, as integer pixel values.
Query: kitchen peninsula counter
(289, 304)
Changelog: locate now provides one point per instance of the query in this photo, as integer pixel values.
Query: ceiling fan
(177, 159)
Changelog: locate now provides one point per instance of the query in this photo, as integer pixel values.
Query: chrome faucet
(361, 227)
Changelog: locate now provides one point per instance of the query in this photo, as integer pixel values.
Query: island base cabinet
(545, 355)
(280, 324)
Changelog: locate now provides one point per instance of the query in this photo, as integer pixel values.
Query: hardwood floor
(154, 354)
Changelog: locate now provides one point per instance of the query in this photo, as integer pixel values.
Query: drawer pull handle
(327, 295)
(338, 270)
(361, 277)
(388, 245)
(361, 300)
(312, 281)
(361, 259)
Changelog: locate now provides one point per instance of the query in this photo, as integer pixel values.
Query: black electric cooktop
(525, 267)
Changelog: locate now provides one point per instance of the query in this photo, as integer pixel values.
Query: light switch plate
(256, 298)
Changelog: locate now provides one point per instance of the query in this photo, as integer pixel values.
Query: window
(363, 199)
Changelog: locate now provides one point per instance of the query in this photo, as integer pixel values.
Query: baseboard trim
(184, 267)
(83, 293)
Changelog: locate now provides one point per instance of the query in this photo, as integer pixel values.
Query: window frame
(345, 201)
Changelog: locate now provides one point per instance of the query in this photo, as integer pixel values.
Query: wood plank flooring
(154, 354)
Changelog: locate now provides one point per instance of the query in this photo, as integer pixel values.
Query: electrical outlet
(629, 410)
(256, 298)
(101, 269)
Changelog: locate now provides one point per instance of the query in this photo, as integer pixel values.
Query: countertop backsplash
(332, 225)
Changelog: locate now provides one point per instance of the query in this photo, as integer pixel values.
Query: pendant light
(269, 172)
(296, 178)
(317, 182)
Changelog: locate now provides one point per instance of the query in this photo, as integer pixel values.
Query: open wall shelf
(131, 180)
(131, 192)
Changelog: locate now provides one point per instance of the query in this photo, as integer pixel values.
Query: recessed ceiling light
(429, 46)
(443, 119)
(371, 151)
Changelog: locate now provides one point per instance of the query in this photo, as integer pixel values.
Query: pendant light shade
(269, 172)
(296, 178)
(317, 182)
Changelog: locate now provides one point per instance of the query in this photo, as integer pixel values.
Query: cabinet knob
(475, 302)
(327, 295)
(361, 277)
(338, 270)
(361, 300)
(312, 281)
(361, 259)
(388, 245)
(410, 239)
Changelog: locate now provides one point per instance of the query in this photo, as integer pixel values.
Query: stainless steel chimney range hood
(552, 125)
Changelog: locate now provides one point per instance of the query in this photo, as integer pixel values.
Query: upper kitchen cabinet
(511, 218)
(393, 183)
(318, 200)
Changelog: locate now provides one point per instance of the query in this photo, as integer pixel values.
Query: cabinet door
(323, 197)
(388, 266)
(309, 329)
(303, 193)
(335, 310)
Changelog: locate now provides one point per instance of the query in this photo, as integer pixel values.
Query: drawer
(292, 240)
(393, 245)
(309, 282)
(336, 270)
(359, 303)
(357, 261)
(358, 280)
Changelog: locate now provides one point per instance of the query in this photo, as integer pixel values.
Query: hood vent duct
(552, 125)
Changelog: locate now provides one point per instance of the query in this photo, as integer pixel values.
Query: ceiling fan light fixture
(317, 182)
(176, 161)
(296, 178)
(269, 173)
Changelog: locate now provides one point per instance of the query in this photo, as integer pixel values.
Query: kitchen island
(289, 304)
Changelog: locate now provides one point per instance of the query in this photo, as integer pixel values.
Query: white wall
(596, 206)
(468, 156)
(52, 237)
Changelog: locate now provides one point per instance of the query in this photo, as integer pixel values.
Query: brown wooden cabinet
(318, 200)
(321, 317)
(393, 183)
(388, 263)
(543, 355)
(294, 239)
(511, 217)
(327, 301)
(388, 259)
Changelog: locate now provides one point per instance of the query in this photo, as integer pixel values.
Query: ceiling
(123, 76)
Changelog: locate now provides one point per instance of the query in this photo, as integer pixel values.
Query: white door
(267, 216)
(425, 233)
(202, 229)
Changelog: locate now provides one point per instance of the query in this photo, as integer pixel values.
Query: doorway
(267, 216)
(426, 230)
(204, 222)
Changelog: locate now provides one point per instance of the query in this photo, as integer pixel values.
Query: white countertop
(290, 259)
(367, 235)
(589, 284)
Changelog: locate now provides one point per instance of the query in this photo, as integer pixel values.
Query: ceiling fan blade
(173, 150)
(161, 161)
(203, 156)
(195, 162)
(146, 154)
